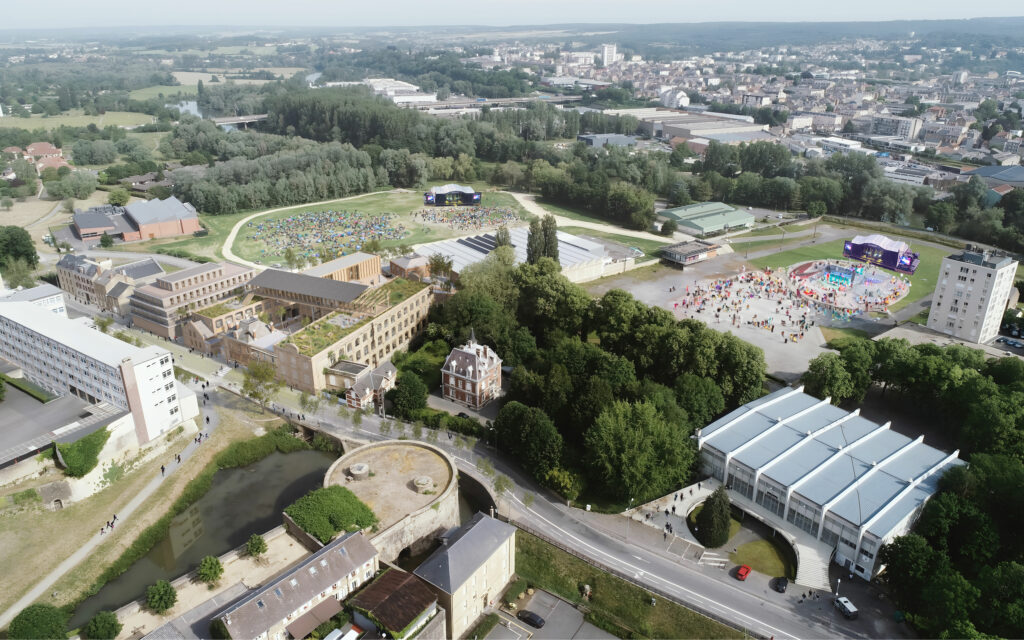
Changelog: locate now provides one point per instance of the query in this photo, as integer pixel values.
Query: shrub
(219, 630)
(28, 496)
(324, 512)
(256, 545)
(39, 622)
(24, 385)
(103, 626)
(210, 570)
(514, 589)
(80, 457)
(161, 596)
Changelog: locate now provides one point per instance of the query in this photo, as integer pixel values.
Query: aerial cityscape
(574, 322)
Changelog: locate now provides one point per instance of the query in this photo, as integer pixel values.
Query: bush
(256, 546)
(80, 457)
(161, 596)
(489, 622)
(219, 630)
(20, 383)
(442, 421)
(713, 521)
(28, 496)
(210, 570)
(103, 626)
(514, 590)
(39, 622)
(324, 512)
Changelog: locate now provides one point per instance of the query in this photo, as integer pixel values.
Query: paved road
(529, 202)
(123, 514)
(182, 263)
(230, 255)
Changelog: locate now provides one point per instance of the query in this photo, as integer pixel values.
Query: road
(529, 202)
(182, 263)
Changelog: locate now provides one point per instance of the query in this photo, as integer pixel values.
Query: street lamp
(630, 516)
(783, 241)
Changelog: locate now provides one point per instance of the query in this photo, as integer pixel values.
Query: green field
(572, 213)
(922, 283)
(250, 247)
(615, 603)
(151, 140)
(76, 118)
(766, 556)
(156, 91)
(651, 248)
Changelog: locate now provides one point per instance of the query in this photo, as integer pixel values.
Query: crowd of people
(868, 290)
(467, 218)
(312, 233)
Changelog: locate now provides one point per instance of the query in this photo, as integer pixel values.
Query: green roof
(315, 337)
(709, 217)
(399, 289)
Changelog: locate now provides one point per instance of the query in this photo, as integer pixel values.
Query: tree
(103, 323)
(700, 397)
(15, 243)
(714, 519)
(536, 242)
(409, 394)
(550, 228)
(910, 562)
(210, 570)
(816, 208)
(440, 266)
(161, 596)
(39, 622)
(17, 273)
(827, 377)
(79, 184)
(106, 241)
(669, 227)
(256, 546)
(502, 238)
(118, 197)
(310, 403)
(260, 383)
(102, 626)
(529, 435)
(636, 454)
(7, 203)
(720, 158)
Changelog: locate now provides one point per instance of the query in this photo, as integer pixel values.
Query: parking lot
(561, 622)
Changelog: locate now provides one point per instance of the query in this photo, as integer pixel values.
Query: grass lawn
(921, 318)
(614, 601)
(765, 556)
(572, 212)
(401, 204)
(739, 244)
(167, 92)
(834, 333)
(651, 248)
(150, 140)
(75, 118)
(922, 282)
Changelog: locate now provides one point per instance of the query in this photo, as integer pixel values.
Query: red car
(742, 572)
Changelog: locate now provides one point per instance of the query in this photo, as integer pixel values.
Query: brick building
(472, 374)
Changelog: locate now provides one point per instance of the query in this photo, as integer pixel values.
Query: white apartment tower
(971, 295)
(68, 357)
(608, 54)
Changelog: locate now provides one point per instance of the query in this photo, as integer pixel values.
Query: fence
(630, 579)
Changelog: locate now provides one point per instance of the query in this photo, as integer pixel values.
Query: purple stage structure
(882, 251)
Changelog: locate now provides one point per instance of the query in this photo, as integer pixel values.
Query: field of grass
(764, 556)
(151, 140)
(75, 118)
(571, 212)
(614, 601)
(835, 333)
(651, 248)
(401, 204)
(771, 231)
(148, 93)
(922, 283)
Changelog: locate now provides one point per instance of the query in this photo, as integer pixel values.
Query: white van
(846, 608)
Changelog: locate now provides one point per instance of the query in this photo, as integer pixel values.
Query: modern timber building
(838, 484)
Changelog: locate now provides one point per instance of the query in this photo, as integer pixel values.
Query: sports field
(75, 118)
(386, 217)
(922, 283)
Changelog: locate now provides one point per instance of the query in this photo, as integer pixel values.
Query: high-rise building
(971, 295)
(67, 357)
(608, 54)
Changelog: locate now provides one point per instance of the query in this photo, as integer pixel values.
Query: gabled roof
(154, 211)
(395, 600)
(141, 269)
(465, 552)
(308, 285)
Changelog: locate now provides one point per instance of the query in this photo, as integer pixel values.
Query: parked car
(531, 619)
(463, 414)
(780, 584)
(1001, 339)
(846, 608)
(742, 572)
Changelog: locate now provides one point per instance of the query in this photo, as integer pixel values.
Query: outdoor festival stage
(848, 287)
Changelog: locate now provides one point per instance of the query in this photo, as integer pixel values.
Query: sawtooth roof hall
(823, 473)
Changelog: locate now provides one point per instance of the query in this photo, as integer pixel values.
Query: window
(259, 604)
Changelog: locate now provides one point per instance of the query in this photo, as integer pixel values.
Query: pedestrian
(177, 458)
(109, 525)
(103, 530)
(698, 487)
(115, 518)
(207, 419)
(161, 470)
(673, 509)
(664, 535)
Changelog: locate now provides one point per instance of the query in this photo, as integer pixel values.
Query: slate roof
(154, 211)
(295, 587)
(141, 269)
(395, 599)
(368, 382)
(467, 549)
(119, 289)
(78, 263)
(308, 285)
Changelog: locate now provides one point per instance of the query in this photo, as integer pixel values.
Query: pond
(242, 502)
(187, 106)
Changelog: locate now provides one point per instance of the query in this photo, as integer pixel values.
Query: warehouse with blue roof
(847, 482)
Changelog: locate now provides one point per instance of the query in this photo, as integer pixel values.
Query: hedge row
(237, 454)
(81, 456)
(181, 253)
(443, 421)
(324, 512)
(39, 394)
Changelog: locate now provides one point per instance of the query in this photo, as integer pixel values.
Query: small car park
(531, 618)
(742, 572)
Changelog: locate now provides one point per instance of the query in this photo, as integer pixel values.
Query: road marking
(670, 585)
(641, 559)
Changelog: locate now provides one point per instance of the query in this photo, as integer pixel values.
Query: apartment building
(310, 592)
(68, 357)
(45, 296)
(908, 128)
(471, 570)
(971, 295)
(161, 307)
(203, 328)
(98, 283)
(472, 374)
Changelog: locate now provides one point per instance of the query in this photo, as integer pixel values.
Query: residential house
(472, 374)
(412, 267)
(470, 570)
(369, 388)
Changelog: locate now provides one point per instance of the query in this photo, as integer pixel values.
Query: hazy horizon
(63, 14)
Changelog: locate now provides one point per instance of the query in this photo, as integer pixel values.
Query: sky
(341, 13)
